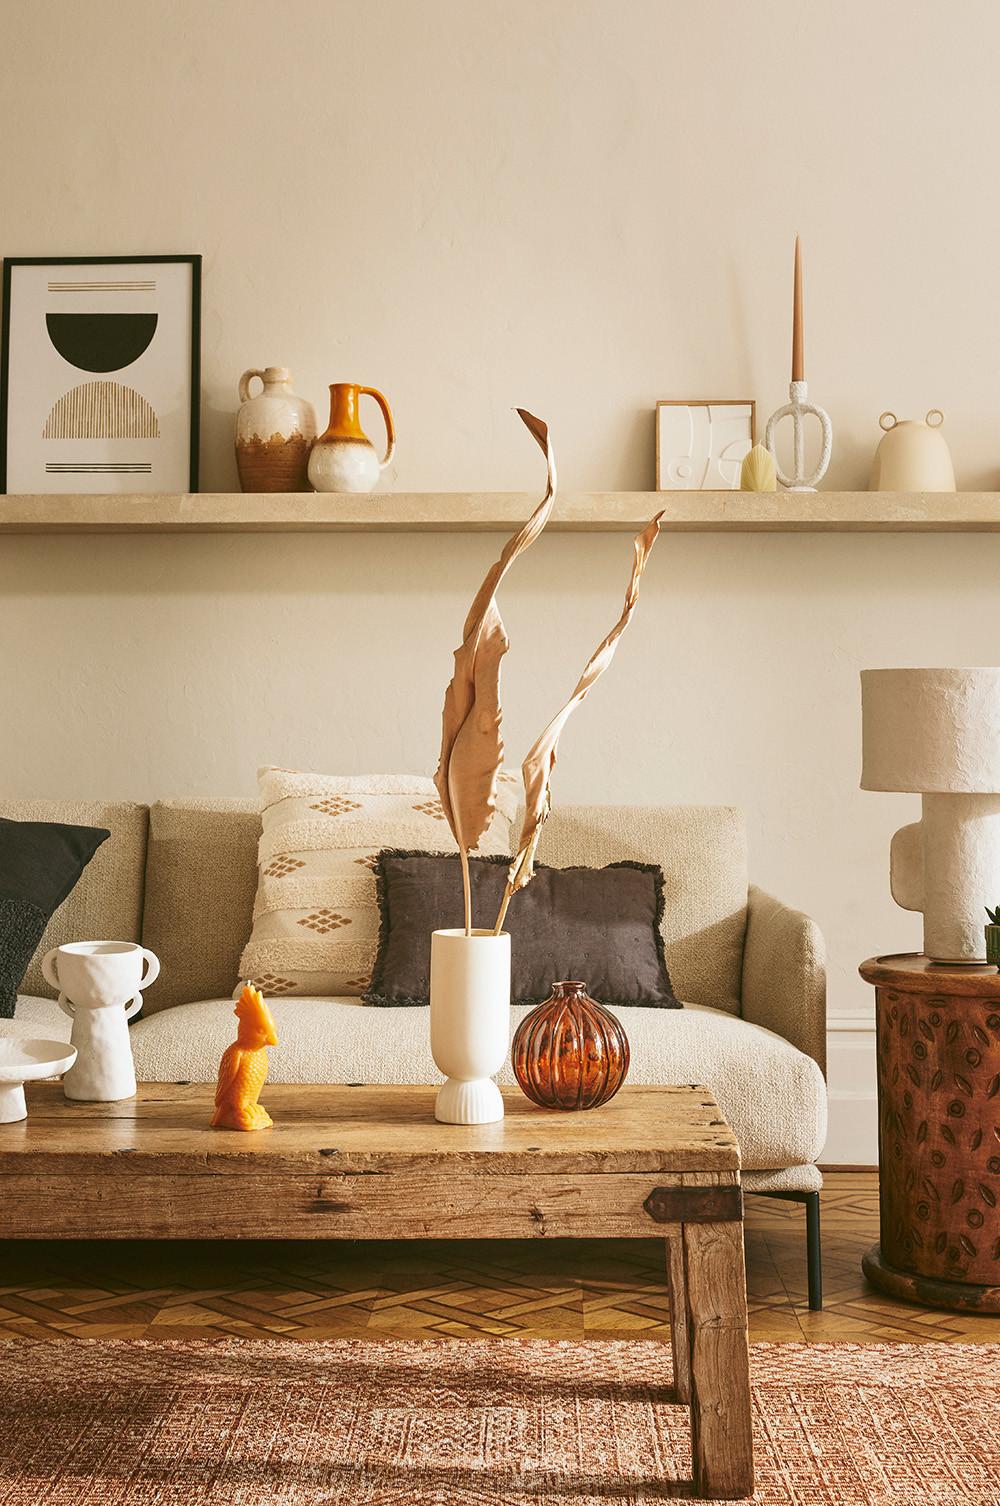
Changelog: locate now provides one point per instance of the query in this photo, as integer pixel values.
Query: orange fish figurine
(243, 1068)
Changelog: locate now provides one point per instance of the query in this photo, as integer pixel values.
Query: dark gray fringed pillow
(40, 862)
(601, 925)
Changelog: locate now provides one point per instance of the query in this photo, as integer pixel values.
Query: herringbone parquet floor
(559, 1289)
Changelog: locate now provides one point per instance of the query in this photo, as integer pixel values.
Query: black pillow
(40, 862)
(601, 925)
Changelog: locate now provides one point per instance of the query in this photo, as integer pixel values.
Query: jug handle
(66, 1005)
(245, 381)
(133, 1006)
(390, 428)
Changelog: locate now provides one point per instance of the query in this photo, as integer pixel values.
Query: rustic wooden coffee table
(372, 1163)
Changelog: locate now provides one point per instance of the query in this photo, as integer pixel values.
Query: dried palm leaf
(541, 760)
(471, 743)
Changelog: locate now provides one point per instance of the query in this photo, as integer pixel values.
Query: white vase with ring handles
(100, 985)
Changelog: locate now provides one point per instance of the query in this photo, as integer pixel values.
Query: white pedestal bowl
(28, 1061)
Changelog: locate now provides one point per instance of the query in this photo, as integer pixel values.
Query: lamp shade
(931, 731)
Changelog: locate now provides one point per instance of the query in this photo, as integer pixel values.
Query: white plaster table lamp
(936, 733)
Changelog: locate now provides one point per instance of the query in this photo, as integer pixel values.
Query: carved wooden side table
(938, 1046)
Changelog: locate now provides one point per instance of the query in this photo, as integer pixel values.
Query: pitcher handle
(390, 427)
(133, 1006)
(66, 1005)
(245, 381)
(49, 969)
(152, 970)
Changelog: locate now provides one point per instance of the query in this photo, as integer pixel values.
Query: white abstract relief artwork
(701, 446)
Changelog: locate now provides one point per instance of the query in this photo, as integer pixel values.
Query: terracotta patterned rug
(482, 1423)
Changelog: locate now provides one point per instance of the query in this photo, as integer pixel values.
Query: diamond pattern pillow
(316, 917)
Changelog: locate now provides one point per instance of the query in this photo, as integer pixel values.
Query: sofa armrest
(784, 974)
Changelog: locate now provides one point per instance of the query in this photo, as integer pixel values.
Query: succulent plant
(994, 915)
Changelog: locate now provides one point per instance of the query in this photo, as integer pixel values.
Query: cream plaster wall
(574, 205)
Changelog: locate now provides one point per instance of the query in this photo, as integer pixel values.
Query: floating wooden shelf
(481, 512)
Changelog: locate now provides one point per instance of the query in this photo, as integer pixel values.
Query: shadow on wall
(711, 574)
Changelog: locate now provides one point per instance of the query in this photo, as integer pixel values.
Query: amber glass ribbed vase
(570, 1053)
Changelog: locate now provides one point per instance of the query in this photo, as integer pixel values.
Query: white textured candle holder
(470, 1022)
(797, 409)
(936, 733)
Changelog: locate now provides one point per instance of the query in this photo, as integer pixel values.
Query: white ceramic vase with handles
(912, 456)
(470, 1022)
(100, 985)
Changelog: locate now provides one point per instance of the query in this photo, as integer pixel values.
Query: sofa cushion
(315, 919)
(772, 1094)
(40, 862)
(702, 851)
(106, 904)
(201, 875)
(597, 924)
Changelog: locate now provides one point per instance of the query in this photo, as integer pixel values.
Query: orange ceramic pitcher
(343, 459)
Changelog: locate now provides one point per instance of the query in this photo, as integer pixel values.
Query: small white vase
(470, 1022)
(99, 986)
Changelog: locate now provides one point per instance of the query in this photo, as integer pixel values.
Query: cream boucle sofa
(181, 876)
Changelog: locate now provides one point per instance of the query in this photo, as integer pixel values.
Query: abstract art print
(700, 445)
(99, 385)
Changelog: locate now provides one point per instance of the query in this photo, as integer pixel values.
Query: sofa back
(181, 877)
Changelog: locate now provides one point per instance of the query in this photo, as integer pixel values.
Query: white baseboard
(852, 1138)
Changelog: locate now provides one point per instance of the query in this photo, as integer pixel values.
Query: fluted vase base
(468, 1101)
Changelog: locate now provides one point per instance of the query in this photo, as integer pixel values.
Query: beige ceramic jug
(274, 433)
(912, 456)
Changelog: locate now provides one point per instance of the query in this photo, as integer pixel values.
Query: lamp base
(947, 865)
(960, 962)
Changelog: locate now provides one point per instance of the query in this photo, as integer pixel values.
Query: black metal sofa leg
(814, 1245)
(814, 1252)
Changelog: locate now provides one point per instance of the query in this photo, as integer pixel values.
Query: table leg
(721, 1437)
(679, 1341)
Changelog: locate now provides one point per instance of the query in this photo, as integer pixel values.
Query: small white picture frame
(700, 446)
(99, 374)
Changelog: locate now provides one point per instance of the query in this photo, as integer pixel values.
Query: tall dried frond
(471, 742)
(540, 762)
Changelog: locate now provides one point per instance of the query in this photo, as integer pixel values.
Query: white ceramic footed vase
(470, 1022)
(100, 986)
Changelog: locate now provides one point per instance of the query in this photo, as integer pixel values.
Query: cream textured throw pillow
(316, 919)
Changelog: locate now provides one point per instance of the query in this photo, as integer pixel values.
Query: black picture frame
(193, 260)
